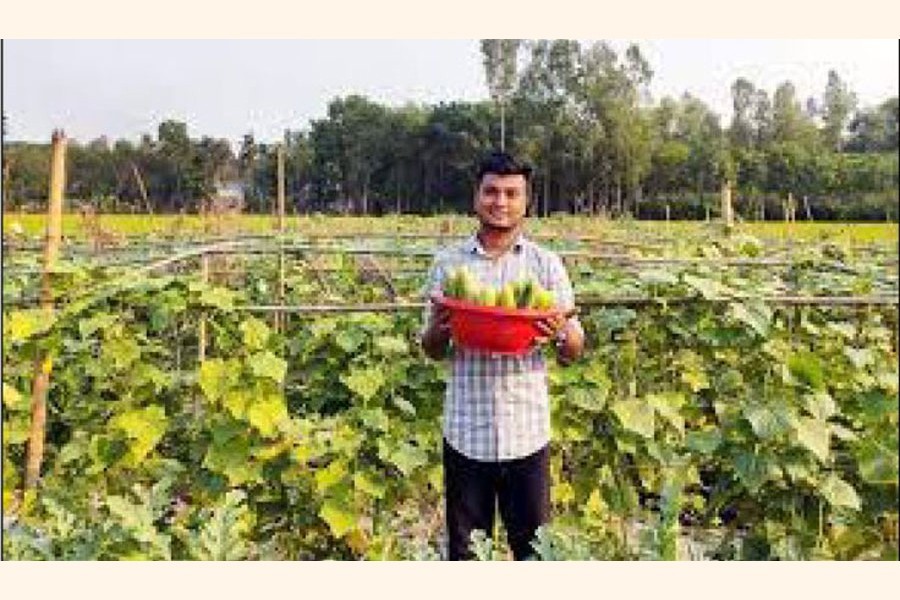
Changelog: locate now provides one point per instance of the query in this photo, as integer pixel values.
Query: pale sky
(122, 89)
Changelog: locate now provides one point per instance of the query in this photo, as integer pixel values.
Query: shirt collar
(473, 245)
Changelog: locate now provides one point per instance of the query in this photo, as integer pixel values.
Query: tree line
(581, 114)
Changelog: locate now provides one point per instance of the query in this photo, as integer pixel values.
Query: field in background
(192, 226)
(737, 400)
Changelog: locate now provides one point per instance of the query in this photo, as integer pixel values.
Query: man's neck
(496, 242)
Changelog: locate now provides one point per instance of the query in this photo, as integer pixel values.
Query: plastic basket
(493, 329)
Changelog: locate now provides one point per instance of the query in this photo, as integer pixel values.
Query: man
(497, 410)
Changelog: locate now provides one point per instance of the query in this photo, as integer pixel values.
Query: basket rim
(496, 311)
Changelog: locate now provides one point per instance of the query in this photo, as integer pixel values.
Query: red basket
(493, 329)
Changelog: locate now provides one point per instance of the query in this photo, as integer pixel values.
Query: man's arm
(435, 335)
(436, 338)
(565, 330)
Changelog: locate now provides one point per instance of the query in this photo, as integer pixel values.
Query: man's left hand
(549, 328)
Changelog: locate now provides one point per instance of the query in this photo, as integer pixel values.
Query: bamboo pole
(588, 302)
(727, 208)
(281, 265)
(44, 362)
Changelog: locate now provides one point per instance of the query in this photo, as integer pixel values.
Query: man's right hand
(437, 336)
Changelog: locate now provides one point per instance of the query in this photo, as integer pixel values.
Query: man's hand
(437, 336)
(550, 329)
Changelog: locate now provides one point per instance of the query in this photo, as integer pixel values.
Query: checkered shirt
(496, 406)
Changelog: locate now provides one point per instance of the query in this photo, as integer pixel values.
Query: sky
(221, 88)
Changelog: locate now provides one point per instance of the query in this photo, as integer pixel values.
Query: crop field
(220, 391)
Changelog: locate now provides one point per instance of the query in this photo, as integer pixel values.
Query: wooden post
(279, 317)
(727, 209)
(44, 362)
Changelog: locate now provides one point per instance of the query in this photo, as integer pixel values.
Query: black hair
(502, 163)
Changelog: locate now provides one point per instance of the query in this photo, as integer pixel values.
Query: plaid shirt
(496, 406)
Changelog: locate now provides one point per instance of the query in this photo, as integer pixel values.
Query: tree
(500, 58)
(741, 133)
(839, 103)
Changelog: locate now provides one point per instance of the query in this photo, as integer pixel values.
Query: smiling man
(496, 410)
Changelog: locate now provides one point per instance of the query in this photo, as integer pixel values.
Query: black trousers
(472, 489)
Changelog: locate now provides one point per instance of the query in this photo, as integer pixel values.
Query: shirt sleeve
(561, 286)
(433, 285)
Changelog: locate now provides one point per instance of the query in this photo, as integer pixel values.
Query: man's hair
(502, 163)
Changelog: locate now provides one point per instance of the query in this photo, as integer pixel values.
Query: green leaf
(878, 462)
(808, 369)
(767, 422)
(370, 484)
(229, 454)
(404, 405)
(588, 399)
(364, 383)
(19, 325)
(755, 315)
(218, 297)
(267, 412)
(859, 357)
(708, 288)
(217, 376)
(122, 352)
(839, 493)
(12, 398)
(389, 344)
(405, 456)
(236, 402)
(144, 427)
(753, 470)
(339, 516)
(224, 532)
(704, 442)
(349, 340)
(814, 435)
(255, 333)
(100, 322)
(667, 405)
(330, 475)
(17, 429)
(266, 364)
(635, 416)
(820, 405)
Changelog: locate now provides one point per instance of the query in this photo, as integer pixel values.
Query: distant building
(229, 194)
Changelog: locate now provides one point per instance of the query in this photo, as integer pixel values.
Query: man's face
(500, 201)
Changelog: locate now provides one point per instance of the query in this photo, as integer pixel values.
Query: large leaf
(266, 364)
(815, 436)
(371, 484)
(225, 532)
(144, 428)
(267, 412)
(756, 316)
(217, 376)
(703, 442)
(12, 398)
(636, 416)
(364, 383)
(255, 333)
(668, 405)
(807, 368)
(839, 493)
(331, 475)
(19, 325)
(405, 456)
(878, 462)
(340, 516)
